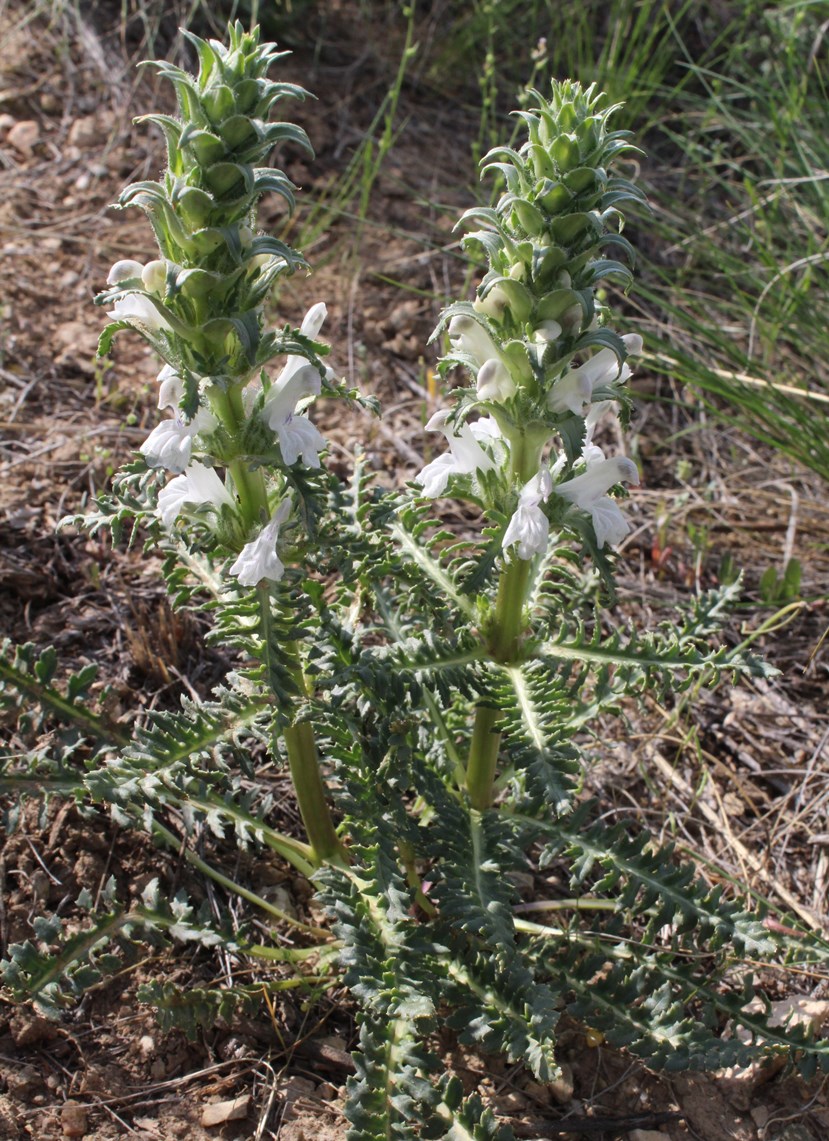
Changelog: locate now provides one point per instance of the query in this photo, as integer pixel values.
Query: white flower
(297, 381)
(494, 304)
(170, 444)
(529, 526)
(468, 337)
(494, 381)
(198, 485)
(546, 332)
(575, 388)
(258, 559)
(170, 387)
(125, 270)
(154, 276)
(591, 453)
(138, 310)
(465, 454)
(588, 491)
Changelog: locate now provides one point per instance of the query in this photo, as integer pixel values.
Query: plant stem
(299, 737)
(303, 760)
(310, 793)
(230, 885)
(483, 757)
(503, 643)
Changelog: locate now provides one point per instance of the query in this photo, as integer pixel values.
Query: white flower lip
(494, 304)
(597, 480)
(170, 444)
(547, 331)
(136, 309)
(154, 276)
(529, 527)
(299, 380)
(575, 388)
(170, 387)
(258, 559)
(464, 457)
(470, 338)
(588, 491)
(198, 485)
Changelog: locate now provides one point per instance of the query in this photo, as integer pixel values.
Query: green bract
(214, 270)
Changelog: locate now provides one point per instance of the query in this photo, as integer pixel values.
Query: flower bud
(154, 276)
(547, 332)
(124, 271)
(467, 336)
(494, 381)
(494, 304)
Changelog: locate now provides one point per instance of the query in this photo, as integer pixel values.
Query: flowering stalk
(545, 363)
(239, 440)
(385, 645)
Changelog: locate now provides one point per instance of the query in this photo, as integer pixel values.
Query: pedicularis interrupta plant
(425, 688)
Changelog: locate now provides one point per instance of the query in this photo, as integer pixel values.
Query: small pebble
(74, 1120)
(221, 1111)
(24, 136)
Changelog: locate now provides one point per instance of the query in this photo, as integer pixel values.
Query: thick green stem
(310, 793)
(250, 485)
(303, 759)
(483, 757)
(503, 643)
(299, 737)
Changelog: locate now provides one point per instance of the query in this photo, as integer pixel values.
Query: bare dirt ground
(738, 775)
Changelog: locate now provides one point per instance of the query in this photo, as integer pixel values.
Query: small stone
(538, 1091)
(6, 123)
(23, 1082)
(87, 132)
(760, 1116)
(146, 1046)
(326, 1092)
(74, 1120)
(221, 1111)
(31, 1029)
(49, 102)
(24, 136)
(512, 1103)
(561, 1088)
(649, 1135)
(293, 1090)
(279, 895)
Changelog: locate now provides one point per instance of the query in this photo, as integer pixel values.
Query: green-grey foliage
(425, 688)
